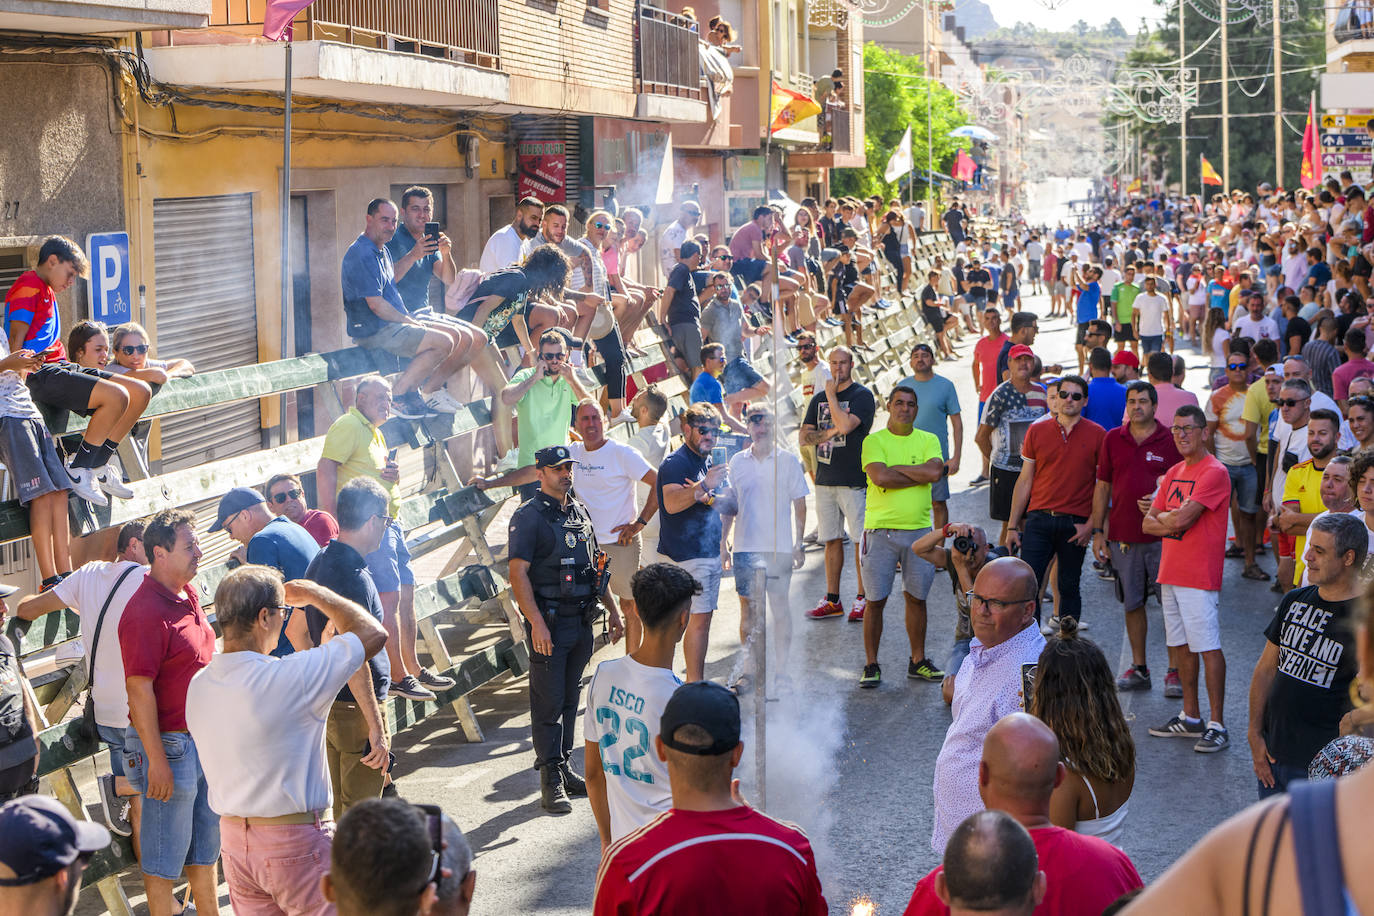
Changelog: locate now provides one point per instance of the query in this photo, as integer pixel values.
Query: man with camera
(969, 552)
(557, 575)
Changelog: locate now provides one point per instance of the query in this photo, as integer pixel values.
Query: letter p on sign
(108, 284)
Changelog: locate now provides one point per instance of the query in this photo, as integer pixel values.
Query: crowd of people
(273, 746)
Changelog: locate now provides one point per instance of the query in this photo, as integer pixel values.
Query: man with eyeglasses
(1188, 511)
(268, 540)
(286, 496)
(274, 805)
(1053, 496)
(691, 499)
(1225, 412)
(993, 682)
(1302, 497)
(357, 742)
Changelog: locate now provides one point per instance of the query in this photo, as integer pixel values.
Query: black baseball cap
(39, 837)
(236, 500)
(552, 456)
(707, 705)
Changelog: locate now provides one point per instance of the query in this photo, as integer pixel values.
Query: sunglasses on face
(601, 225)
(1291, 402)
(280, 498)
(1071, 395)
(758, 418)
(130, 350)
(705, 430)
(725, 257)
(551, 357)
(1235, 367)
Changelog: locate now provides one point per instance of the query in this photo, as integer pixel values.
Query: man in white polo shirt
(606, 476)
(259, 721)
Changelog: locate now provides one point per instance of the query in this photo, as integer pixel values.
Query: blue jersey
(1089, 302)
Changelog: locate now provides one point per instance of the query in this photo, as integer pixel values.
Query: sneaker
(1213, 739)
(509, 462)
(116, 809)
(441, 401)
(856, 613)
(409, 688)
(1178, 727)
(1050, 627)
(872, 676)
(826, 609)
(812, 538)
(575, 785)
(1133, 679)
(623, 417)
(978, 481)
(435, 681)
(553, 798)
(1173, 687)
(83, 485)
(111, 481)
(410, 406)
(924, 670)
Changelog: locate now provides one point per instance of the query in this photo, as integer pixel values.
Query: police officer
(558, 577)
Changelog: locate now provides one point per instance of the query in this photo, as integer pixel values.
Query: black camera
(965, 544)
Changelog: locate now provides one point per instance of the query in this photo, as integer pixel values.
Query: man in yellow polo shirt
(1302, 489)
(901, 463)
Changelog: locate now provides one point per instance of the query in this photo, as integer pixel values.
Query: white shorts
(707, 571)
(836, 506)
(1191, 618)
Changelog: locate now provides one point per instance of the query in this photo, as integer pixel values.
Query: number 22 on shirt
(635, 747)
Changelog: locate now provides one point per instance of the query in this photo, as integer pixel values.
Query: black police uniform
(560, 547)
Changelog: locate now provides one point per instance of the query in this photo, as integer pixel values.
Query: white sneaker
(83, 485)
(623, 417)
(509, 462)
(111, 480)
(442, 401)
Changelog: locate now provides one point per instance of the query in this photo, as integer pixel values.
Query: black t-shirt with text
(839, 461)
(1311, 691)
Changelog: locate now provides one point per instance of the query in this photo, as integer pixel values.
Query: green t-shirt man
(544, 414)
(907, 508)
(1123, 295)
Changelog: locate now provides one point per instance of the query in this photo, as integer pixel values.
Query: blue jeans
(1044, 538)
(182, 831)
(1285, 774)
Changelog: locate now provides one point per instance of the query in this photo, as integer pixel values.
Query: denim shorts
(1152, 343)
(1245, 485)
(390, 563)
(114, 737)
(775, 566)
(739, 375)
(182, 831)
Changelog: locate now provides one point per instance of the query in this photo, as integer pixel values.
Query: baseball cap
(39, 837)
(707, 705)
(7, 590)
(236, 500)
(1019, 351)
(553, 456)
(1126, 358)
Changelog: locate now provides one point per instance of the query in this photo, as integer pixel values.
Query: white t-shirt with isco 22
(624, 704)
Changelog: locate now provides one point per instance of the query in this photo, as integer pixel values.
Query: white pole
(286, 304)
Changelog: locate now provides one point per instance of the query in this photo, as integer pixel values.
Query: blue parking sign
(108, 283)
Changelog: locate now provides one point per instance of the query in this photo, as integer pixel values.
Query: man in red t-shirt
(1189, 512)
(985, 377)
(1054, 495)
(165, 639)
(1019, 772)
(1129, 464)
(710, 853)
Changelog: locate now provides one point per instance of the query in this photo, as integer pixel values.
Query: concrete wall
(570, 57)
(60, 166)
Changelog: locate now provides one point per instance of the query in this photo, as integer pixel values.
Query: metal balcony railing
(1354, 22)
(839, 129)
(667, 59)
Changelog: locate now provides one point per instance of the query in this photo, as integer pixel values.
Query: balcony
(440, 53)
(668, 73)
(72, 17)
(841, 147)
(1352, 21)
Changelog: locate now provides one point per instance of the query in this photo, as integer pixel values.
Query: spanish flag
(789, 107)
(1209, 174)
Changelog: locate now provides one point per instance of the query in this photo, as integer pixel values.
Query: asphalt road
(853, 767)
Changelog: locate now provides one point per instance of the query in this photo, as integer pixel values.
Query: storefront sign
(543, 170)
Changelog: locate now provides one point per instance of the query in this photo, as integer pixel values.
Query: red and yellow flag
(1311, 152)
(1133, 187)
(789, 107)
(1209, 174)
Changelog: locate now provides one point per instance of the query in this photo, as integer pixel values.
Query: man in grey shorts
(1131, 460)
(680, 307)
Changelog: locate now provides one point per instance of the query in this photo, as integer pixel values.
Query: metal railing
(666, 57)
(458, 30)
(1354, 21)
(839, 129)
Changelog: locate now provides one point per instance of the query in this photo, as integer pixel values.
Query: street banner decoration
(276, 19)
(789, 107)
(964, 166)
(900, 163)
(1311, 154)
(1209, 174)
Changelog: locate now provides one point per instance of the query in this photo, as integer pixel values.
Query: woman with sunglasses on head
(129, 346)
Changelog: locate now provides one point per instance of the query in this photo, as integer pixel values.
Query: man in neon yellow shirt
(901, 463)
(1123, 300)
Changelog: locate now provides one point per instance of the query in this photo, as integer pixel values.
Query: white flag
(900, 163)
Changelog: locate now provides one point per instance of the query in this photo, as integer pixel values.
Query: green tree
(894, 96)
(1115, 29)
